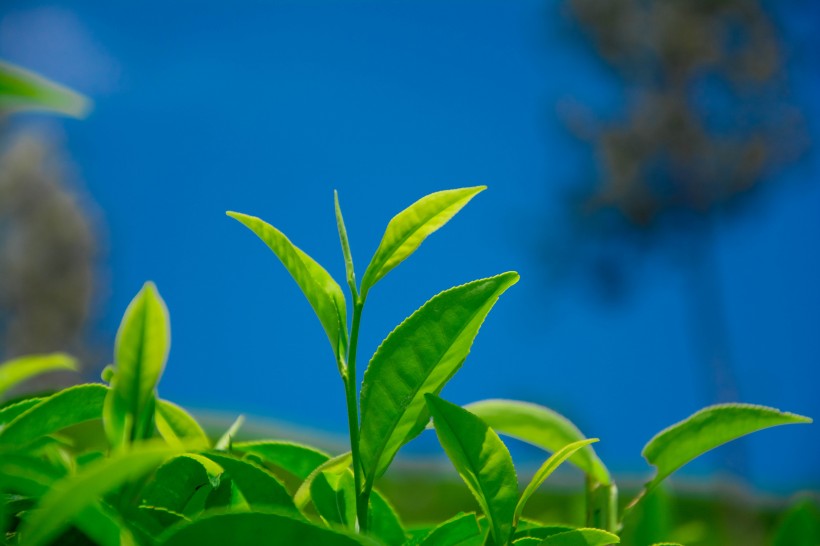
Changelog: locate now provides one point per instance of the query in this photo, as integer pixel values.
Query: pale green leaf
(226, 440)
(140, 351)
(175, 424)
(541, 427)
(65, 408)
(71, 495)
(14, 372)
(482, 460)
(296, 459)
(416, 358)
(707, 429)
(337, 464)
(409, 228)
(333, 494)
(581, 537)
(247, 528)
(460, 530)
(22, 90)
(546, 470)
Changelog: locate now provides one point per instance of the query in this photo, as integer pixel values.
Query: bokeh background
(651, 171)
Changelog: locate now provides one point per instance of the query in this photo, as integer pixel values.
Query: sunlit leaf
(707, 429)
(140, 351)
(482, 460)
(409, 228)
(337, 464)
(333, 494)
(416, 358)
(65, 408)
(539, 426)
(14, 372)
(22, 90)
(323, 293)
(384, 522)
(546, 470)
(175, 424)
(296, 459)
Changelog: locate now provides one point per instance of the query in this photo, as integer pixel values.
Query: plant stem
(602, 505)
(353, 414)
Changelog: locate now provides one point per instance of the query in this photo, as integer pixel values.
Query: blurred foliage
(48, 253)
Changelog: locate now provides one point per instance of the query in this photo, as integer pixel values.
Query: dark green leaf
(22, 90)
(539, 426)
(258, 486)
(296, 459)
(799, 526)
(248, 528)
(482, 460)
(67, 407)
(461, 530)
(416, 358)
(409, 228)
(10, 412)
(384, 522)
(140, 352)
(177, 480)
(14, 372)
(323, 293)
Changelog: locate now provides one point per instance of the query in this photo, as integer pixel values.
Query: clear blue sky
(266, 107)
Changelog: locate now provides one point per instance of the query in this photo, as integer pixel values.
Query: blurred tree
(708, 120)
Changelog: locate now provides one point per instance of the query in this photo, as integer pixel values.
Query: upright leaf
(14, 372)
(541, 427)
(140, 352)
(247, 528)
(707, 429)
(71, 495)
(482, 460)
(350, 272)
(321, 291)
(65, 408)
(416, 358)
(24, 90)
(546, 470)
(409, 228)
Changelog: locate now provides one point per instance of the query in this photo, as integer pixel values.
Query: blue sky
(266, 107)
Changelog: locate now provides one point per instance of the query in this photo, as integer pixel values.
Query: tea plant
(116, 464)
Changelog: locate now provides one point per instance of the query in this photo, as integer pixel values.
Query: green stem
(353, 414)
(602, 505)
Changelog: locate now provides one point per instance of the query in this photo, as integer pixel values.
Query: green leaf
(337, 464)
(71, 495)
(175, 424)
(482, 460)
(350, 272)
(416, 358)
(707, 429)
(581, 537)
(140, 352)
(10, 412)
(323, 293)
(334, 496)
(65, 408)
(177, 480)
(296, 459)
(22, 90)
(409, 228)
(541, 427)
(226, 440)
(546, 470)
(799, 526)
(14, 372)
(461, 530)
(384, 522)
(258, 486)
(246, 528)
(539, 532)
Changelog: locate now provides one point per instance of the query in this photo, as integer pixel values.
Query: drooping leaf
(333, 494)
(416, 358)
(384, 522)
(546, 470)
(409, 228)
(460, 530)
(140, 351)
(707, 429)
(259, 487)
(73, 494)
(337, 464)
(247, 528)
(323, 293)
(175, 424)
(541, 427)
(14, 372)
(482, 461)
(22, 90)
(65, 408)
(296, 459)
(581, 537)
